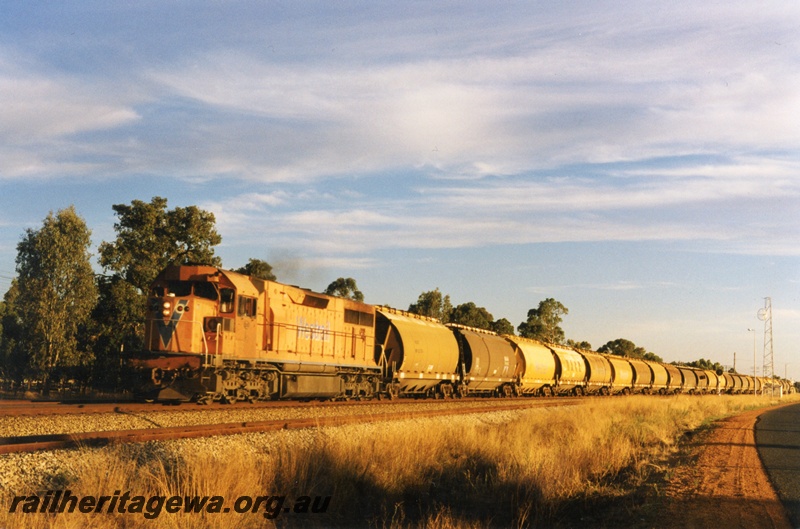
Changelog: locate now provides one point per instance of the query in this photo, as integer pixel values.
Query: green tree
(150, 237)
(257, 268)
(503, 326)
(432, 304)
(623, 347)
(56, 292)
(471, 315)
(584, 345)
(707, 364)
(543, 322)
(345, 288)
(116, 330)
(13, 356)
(652, 357)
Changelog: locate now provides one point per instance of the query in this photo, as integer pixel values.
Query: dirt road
(723, 483)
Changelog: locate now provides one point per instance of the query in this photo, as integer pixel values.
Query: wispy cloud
(595, 91)
(513, 91)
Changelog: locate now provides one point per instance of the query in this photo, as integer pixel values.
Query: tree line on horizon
(59, 319)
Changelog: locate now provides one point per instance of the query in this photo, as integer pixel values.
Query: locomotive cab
(198, 310)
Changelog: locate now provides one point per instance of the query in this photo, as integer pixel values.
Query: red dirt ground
(723, 484)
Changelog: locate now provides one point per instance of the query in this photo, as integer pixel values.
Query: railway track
(33, 443)
(41, 408)
(33, 408)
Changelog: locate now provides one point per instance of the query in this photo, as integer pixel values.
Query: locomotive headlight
(167, 304)
(165, 312)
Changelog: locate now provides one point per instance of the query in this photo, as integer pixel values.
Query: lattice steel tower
(765, 315)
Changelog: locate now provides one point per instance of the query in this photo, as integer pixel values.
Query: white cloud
(518, 89)
(41, 110)
(38, 106)
(536, 99)
(587, 100)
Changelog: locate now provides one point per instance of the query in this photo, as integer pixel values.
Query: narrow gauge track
(36, 443)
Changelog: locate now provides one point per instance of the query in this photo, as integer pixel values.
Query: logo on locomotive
(315, 332)
(166, 329)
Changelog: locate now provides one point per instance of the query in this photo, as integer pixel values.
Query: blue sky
(638, 162)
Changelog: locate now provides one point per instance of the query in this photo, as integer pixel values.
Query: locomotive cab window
(179, 289)
(226, 296)
(205, 290)
(247, 306)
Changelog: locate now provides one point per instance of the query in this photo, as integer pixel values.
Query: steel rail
(33, 443)
(27, 408)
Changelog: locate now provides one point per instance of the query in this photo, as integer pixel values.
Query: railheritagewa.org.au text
(125, 502)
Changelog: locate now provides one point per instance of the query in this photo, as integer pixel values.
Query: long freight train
(213, 334)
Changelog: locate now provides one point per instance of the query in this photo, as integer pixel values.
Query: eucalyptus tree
(503, 326)
(544, 321)
(433, 304)
(583, 345)
(56, 292)
(14, 361)
(623, 347)
(150, 237)
(257, 268)
(471, 315)
(345, 288)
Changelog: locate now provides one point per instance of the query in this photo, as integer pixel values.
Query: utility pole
(754, 362)
(765, 315)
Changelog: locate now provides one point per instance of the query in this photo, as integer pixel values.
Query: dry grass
(542, 469)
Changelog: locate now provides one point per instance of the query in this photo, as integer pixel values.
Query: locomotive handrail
(219, 339)
(205, 344)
